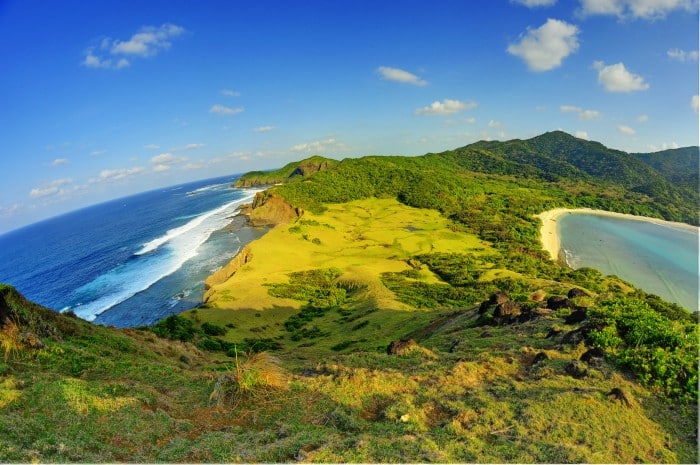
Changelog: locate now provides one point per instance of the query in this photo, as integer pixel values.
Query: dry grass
(257, 377)
(10, 342)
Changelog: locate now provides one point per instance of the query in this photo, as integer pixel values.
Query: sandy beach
(550, 239)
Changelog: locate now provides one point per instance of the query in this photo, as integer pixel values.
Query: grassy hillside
(506, 356)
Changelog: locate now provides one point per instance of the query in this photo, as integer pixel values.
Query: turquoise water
(660, 259)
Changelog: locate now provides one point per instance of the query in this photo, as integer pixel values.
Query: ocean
(132, 261)
(659, 258)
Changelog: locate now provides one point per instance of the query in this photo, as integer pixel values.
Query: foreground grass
(101, 395)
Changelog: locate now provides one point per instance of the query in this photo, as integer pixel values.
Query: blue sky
(100, 99)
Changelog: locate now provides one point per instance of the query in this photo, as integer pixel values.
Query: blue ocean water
(659, 258)
(131, 261)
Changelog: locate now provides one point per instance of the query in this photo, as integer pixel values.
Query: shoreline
(549, 236)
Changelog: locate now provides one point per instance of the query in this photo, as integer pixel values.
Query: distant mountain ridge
(556, 155)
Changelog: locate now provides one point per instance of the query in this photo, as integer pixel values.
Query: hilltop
(402, 310)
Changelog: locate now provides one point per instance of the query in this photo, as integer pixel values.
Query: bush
(662, 352)
(211, 329)
(175, 327)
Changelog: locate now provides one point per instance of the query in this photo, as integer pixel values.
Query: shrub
(211, 329)
(255, 377)
(175, 327)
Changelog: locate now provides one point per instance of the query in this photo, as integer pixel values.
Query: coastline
(549, 230)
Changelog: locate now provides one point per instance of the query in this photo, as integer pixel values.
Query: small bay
(662, 259)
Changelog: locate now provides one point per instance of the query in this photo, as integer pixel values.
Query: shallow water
(661, 259)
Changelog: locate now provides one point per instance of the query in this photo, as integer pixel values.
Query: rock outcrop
(243, 257)
(270, 209)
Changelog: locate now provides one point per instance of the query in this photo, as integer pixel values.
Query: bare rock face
(243, 257)
(401, 347)
(271, 210)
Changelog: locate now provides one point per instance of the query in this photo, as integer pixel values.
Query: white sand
(550, 239)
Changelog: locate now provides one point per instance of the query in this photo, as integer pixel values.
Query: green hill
(406, 313)
(678, 166)
(293, 170)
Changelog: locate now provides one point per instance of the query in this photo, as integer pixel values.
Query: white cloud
(97, 153)
(446, 107)
(119, 173)
(616, 78)
(59, 162)
(148, 41)
(10, 210)
(582, 114)
(399, 75)
(535, 3)
(188, 147)
(682, 55)
(151, 147)
(545, 48)
(264, 129)
(626, 130)
(644, 9)
(112, 53)
(582, 135)
(230, 93)
(53, 188)
(569, 109)
(694, 103)
(93, 61)
(161, 168)
(663, 146)
(642, 118)
(588, 115)
(494, 124)
(319, 146)
(224, 110)
(167, 159)
(470, 120)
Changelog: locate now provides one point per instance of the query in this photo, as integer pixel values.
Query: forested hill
(290, 171)
(669, 176)
(564, 170)
(679, 166)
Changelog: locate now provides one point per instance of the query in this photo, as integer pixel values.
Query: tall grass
(257, 377)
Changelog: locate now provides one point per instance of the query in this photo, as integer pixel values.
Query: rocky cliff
(270, 209)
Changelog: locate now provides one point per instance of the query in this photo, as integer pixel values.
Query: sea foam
(155, 260)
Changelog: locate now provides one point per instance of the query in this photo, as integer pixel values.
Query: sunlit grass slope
(361, 240)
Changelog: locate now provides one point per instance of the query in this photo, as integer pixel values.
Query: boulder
(576, 369)
(495, 299)
(619, 394)
(592, 354)
(576, 292)
(577, 316)
(541, 356)
(400, 347)
(507, 310)
(556, 302)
